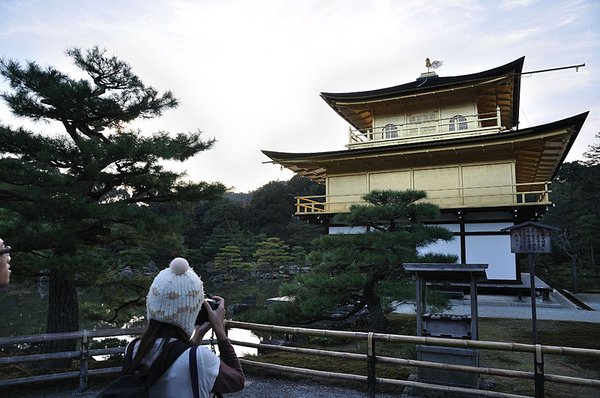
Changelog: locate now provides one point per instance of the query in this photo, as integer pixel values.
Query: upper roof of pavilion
(498, 86)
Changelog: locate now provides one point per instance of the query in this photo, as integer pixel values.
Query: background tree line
(254, 227)
(576, 211)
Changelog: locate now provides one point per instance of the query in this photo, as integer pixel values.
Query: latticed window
(458, 122)
(390, 131)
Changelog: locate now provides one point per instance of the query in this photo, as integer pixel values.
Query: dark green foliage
(245, 219)
(270, 209)
(271, 254)
(209, 215)
(92, 197)
(365, 270)
(301, 233)
(575, 194)
(299, 256)
(229, 259)
(398, 210)
(218, 238)
(302, 186)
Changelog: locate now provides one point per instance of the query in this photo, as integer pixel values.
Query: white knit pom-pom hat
(176, 296)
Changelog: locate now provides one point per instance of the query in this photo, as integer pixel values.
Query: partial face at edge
(4, 266)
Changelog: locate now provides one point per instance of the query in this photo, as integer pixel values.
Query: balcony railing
(527, 194)
(427, 130)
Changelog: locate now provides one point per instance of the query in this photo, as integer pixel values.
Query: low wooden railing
(83, 338)
(526, 194)
(370, 357)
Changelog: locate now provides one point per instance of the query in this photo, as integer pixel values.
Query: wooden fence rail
(404, 339)
(370, 358)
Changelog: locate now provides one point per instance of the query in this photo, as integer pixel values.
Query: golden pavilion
(458, 139)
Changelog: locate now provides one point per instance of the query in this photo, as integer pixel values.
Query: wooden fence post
(371, 380)
(538, 375)
(83, 362)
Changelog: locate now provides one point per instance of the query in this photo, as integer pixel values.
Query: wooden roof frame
(538, 152)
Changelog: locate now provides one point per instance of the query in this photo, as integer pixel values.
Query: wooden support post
(474, 313)
(533, 304)
(83, 362)
(371, 377)
(538, 375)
(419, 295)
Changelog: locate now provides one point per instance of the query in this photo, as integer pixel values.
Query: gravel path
(289, 388)
(256, 386)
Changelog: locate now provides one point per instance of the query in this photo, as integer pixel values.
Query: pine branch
(128, 304)
(72, 131)
(358, 306)
(12, 196)
(93, 134)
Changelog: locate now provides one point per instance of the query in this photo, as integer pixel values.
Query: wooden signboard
(530, 237)
(530, 240)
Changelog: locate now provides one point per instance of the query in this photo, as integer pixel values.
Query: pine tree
(79, 196)
(216, 240)
(229, 259)
(272, 253)
(299, 255)
(361, 269)
(592, 154)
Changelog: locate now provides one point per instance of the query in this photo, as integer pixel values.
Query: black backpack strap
(194, 372)
(160, 365)
(129, 353)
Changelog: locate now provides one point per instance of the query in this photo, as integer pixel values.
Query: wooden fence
(83, 354)
(370, 358)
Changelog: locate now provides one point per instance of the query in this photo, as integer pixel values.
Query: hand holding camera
(213, 302)
(211, 315)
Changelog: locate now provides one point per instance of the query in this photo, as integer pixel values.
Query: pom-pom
(179, 265)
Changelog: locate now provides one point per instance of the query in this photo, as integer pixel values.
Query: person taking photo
(172, 305)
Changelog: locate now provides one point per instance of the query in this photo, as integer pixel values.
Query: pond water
(24, 307)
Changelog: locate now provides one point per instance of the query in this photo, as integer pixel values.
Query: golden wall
(471, 185)
(345, 190)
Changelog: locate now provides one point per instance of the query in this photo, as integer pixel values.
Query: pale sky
(249, 73)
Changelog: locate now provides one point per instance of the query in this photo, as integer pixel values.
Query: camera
(203, 315)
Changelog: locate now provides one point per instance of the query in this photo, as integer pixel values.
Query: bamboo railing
(370, 357)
